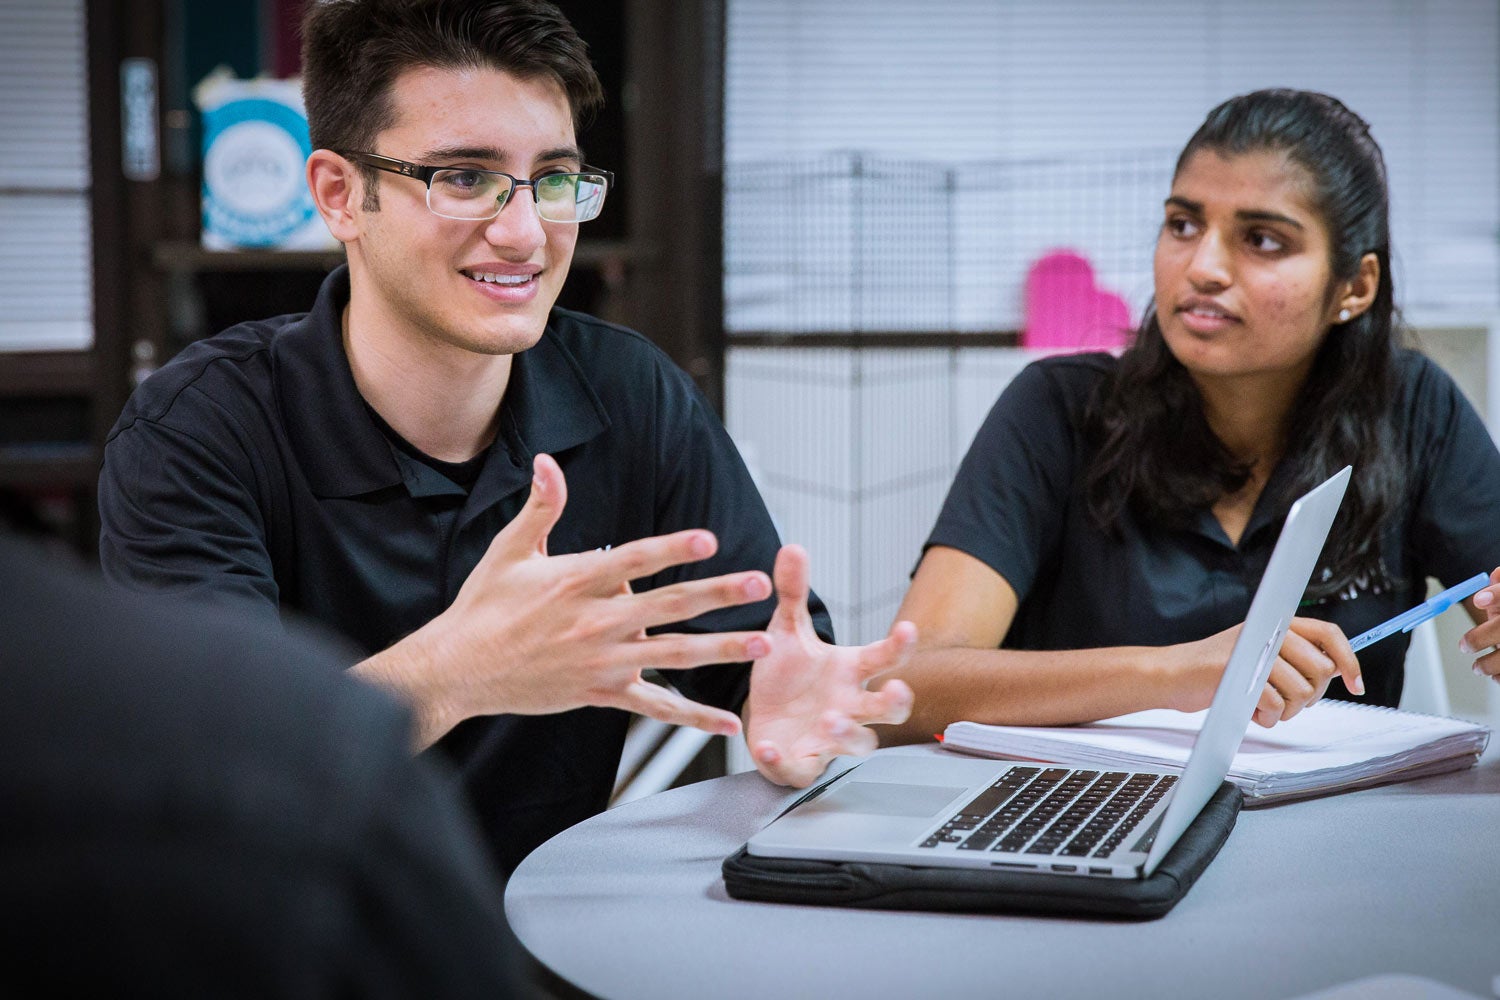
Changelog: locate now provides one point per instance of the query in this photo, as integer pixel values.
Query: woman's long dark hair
(1154, 451)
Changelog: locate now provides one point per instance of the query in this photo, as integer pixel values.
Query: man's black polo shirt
(1017, 505)
(250, 469)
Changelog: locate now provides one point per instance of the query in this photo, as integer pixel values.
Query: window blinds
(46, 270)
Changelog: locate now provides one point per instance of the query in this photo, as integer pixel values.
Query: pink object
(1067, 311)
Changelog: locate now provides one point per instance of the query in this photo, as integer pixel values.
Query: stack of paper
(1329, 746)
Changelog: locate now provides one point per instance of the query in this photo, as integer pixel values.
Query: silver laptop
(963, 813)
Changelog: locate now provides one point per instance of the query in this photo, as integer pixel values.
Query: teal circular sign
(253, 189)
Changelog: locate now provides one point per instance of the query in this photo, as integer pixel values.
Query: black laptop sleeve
(906, 887)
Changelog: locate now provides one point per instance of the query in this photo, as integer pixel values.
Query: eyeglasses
(474, 195)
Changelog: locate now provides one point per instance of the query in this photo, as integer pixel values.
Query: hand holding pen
(1486, 634)
(1426, 611)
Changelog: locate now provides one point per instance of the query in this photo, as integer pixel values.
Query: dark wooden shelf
(47, 373)
(49, 466)
(187, 256)
(592, 253)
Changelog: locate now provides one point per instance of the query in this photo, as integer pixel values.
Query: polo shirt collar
(550, 399)
(549, 407)
(1269, 512)
(548, 403)
(340, 449)
(1272, 505)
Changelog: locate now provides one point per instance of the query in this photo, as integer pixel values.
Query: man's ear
(337, 190)
(1359, 292)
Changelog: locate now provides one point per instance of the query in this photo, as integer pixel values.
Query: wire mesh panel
(842, 243)
(1106, 207)
(852, 243)
(854, 445)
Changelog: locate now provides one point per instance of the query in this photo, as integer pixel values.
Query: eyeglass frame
(425, 174)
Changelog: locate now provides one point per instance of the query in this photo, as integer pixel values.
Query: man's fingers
(679, 602)
(648, 556)
(791, 573)
(1488, 665)
(837, 735)
(845, 736)
(889, 653)
(794, 772)
(645, 698)
(681, 651)
(891, 705)
(526, 535)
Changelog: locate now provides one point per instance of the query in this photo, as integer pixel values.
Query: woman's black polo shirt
(250, 470)
(1017, 505)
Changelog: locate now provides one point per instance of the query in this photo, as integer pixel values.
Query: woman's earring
(1343, 315)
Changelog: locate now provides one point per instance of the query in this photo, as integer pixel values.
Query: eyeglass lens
(478, 194)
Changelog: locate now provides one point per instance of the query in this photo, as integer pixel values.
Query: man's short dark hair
(353, 50)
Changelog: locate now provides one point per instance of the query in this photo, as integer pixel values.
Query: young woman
(1112, 518)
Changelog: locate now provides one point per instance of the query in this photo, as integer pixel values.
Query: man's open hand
(809, 701)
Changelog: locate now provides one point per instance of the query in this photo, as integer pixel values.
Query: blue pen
(1408, 620)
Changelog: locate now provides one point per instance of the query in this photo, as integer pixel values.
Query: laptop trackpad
(884, 798)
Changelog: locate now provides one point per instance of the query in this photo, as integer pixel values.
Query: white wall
(963, 81)
(854, 452)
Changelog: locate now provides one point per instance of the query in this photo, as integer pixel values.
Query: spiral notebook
(1329, 746)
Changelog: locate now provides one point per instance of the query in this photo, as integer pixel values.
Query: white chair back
(1425, 689)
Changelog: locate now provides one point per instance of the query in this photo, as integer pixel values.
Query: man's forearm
(407, 671)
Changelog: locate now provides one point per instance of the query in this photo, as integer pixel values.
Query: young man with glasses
(500, 500)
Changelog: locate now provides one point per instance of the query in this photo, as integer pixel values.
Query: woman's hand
(1484, 608)
(1312, 653)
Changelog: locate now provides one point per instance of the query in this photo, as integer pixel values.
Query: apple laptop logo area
(1268, 656)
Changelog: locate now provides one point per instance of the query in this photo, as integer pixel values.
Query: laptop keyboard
(1054, 810)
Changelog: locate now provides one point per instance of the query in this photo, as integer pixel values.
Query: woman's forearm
(1039, 688)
